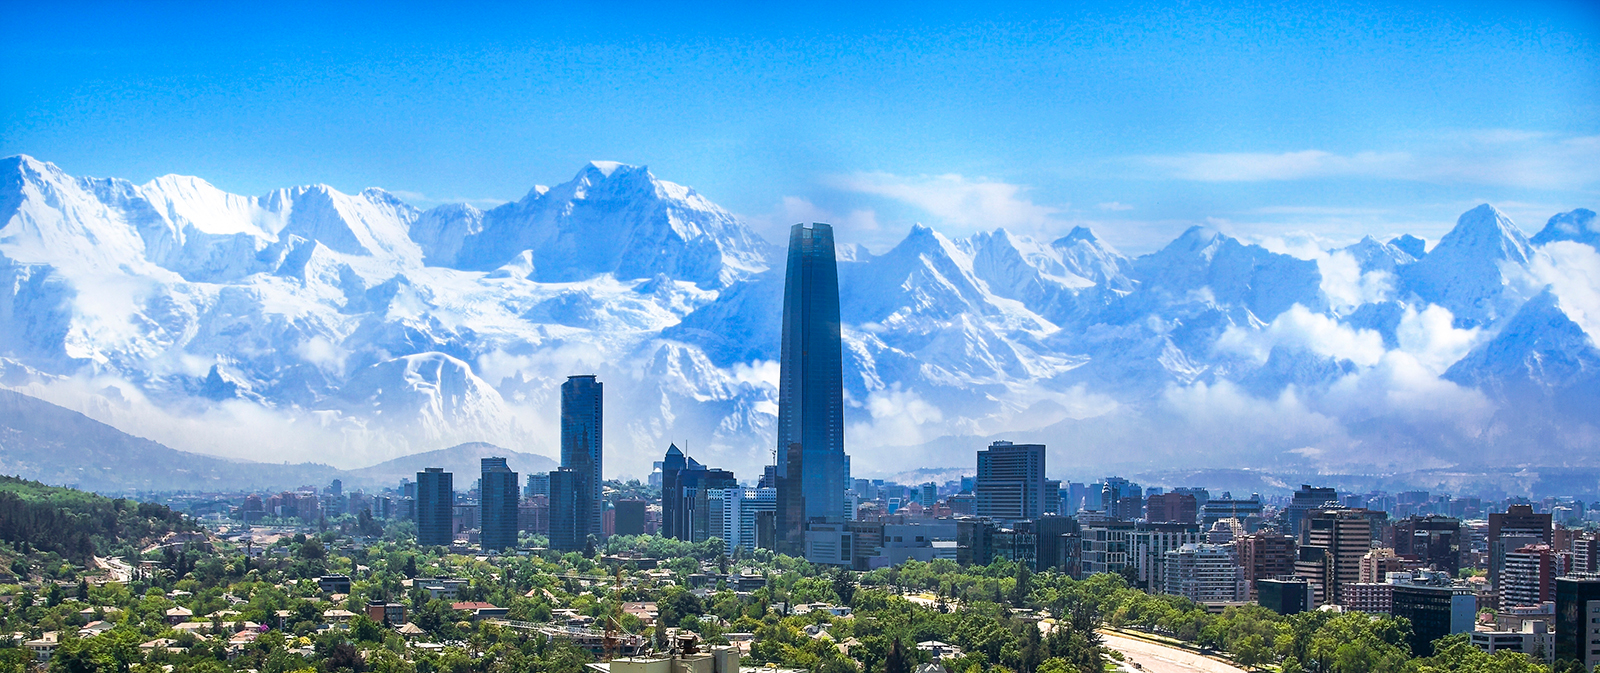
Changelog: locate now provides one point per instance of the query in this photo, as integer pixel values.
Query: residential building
(582, 416)
(1332, 542)
(1513, 529)
(1536, 639)
(1375, 598)
(741, 509)
(1204, 573)
(811, 387)
(1377, 564)
(435, 507)
(498, 505)
(1010, 485)
(1528, 576)
(1265, 556)
(1149, 544)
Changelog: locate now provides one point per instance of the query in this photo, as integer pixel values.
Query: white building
(1204, 573)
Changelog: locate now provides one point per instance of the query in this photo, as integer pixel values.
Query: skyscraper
(686, 487)
(1011, 481)
(811, 382)
(564, 514)
(498, 505)
(435, 500)
(581, 415)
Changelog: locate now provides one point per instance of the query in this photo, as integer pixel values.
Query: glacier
(309, 324)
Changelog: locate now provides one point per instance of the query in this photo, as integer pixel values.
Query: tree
(411, 567)
(896, 660)
(844, 586)
(1023, 586)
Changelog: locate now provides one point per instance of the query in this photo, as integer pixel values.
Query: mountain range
(311, 325)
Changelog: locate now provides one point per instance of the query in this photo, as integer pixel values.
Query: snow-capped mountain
(308, 324)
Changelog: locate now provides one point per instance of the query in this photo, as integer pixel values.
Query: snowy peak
(610, 218)
(1373, 255)
(1540, 351)
(1411, 245)
(1577, 225)
(1465, 271)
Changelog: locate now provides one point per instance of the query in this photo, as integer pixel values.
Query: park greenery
(1002, 617)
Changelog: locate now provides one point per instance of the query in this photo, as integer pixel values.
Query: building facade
(1578, 620)
(811, 386)
(1204, 573)
(498, 499)
(582, 416)
(1010, 484)
(435, 507)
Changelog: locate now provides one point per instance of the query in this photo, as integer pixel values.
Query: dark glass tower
(564, 534)
(581, 414)
(811, 383)
(498, 500)
(435, 505)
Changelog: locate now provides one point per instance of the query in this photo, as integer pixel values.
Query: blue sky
(1275, 120)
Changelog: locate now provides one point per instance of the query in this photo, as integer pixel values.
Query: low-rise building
(1536, 639)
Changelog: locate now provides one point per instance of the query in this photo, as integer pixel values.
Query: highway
(1157, 658)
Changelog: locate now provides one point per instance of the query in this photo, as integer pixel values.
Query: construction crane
(613, 640)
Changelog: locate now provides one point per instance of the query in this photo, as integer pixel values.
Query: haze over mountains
(311, 325)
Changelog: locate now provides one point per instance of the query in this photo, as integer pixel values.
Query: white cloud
(1502, 157)
(955, 199)
(1299, 328)
(1346, 287)
(1431, 339)
(1114, 205)
(1572, 272)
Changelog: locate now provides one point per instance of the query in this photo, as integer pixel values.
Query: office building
(1536, 639)
(630, 517)
(1011, 481)
(1332, 543)
(582, 415)
(1106, 547)
(1305, 500)
(1578, 620)
(1172, 507)
(1204, 573)
(1528, 577)
(498, 499)
(811, 387)
(1265, 556)
(1122, 499)
(1436, 605)
(1247, 511)
(1285, 596)
(1434, 541)
(742, 509)
(686, 496)
(567, 519)
(435, 501)
(538, 484)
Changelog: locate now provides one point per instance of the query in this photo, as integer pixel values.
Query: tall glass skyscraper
(435, 505)
(497, 499)
(811, 384)
(581, 414)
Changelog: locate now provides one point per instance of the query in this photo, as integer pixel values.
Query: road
(1156, 658)
(120, 571)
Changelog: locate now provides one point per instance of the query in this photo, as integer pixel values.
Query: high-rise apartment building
(1010, 484)
(565, 513)
(1265, 556)
(435, 501)
(1377, 564)
(1204, 573)
(1332, 543)
(1513, 529)
(1247, 511)
(1528, 577)
(498, 499)
(582, 413)
(811, 387)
